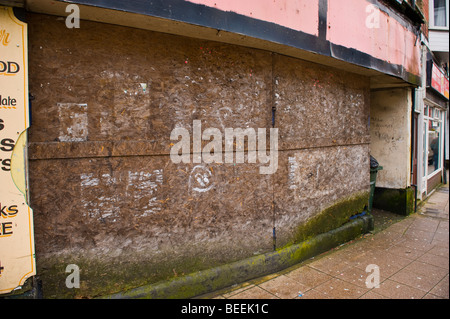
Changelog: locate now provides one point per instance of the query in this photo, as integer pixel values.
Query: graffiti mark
(222, 114)
(201, 179)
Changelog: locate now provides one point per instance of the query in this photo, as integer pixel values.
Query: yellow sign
(17, 260)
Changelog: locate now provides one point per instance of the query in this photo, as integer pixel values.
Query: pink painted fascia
(346, 25)
(300, 15)
(389, 42)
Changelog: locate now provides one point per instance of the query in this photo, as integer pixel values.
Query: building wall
(424, 5)
(105, 193)
(390, 129)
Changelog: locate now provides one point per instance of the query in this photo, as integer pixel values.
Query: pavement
(408, 259)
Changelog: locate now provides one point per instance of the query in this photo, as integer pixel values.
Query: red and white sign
(439, 81)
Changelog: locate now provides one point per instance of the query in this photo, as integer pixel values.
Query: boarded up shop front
(105, 192)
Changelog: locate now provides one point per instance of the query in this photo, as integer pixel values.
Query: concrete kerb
(210, 280)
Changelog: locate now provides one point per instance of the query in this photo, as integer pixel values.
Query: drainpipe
(413, 108)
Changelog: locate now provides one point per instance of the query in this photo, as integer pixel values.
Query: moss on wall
(398, 201)
(102, 277)
(332, 217)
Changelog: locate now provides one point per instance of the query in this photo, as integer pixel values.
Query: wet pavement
(405, 258)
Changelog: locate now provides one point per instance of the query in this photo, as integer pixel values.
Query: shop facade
(107, 95)
(432, 128)
(431, 109)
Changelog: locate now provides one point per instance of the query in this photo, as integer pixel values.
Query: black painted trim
(406, 9)
(323, 24)
(20, 14)
(201, 15)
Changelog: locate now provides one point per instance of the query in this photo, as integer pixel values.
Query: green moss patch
(398, 201)
(332, 217)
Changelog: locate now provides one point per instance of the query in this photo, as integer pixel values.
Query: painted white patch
(105, 206)
(145, 185)
(88, 180)
(105, 124)
(293, 166)
(73, 120)
(140, 194)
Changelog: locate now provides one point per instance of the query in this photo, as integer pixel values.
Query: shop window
(432, 140)
(434, 130)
